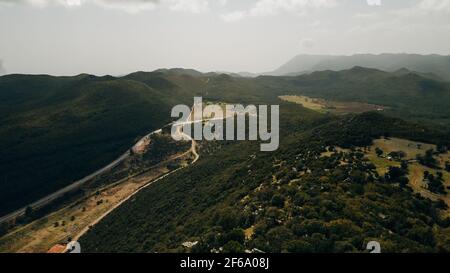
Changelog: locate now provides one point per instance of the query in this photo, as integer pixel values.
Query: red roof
(57, 249)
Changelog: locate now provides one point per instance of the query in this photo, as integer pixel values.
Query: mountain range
(438, 65)
(59, 129)
(318, 193)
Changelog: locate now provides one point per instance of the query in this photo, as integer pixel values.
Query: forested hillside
(56, 130)
(406, 95)
(294, 200)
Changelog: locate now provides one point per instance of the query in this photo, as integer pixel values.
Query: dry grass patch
(335, 107)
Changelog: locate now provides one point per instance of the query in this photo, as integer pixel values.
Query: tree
(233, 247)
(435, 184)
(277, 236)
(404, 165)
(228, 219)
(299, 246)
(236, 234)
(379, 152)
(358, 176)
(425, 175)
(428, 159)
(359, 155)
(201, 247)
(440, 204)
(422, 234)
(441, 148)
(403, 181)
(394, 174)
(277, 201)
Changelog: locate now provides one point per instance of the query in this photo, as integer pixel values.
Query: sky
(117, 37)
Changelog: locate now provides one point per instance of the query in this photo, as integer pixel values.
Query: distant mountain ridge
(437, 65)
(408, 95)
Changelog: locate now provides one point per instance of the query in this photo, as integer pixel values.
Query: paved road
(192, 150)
(48, 199)
(60, 193)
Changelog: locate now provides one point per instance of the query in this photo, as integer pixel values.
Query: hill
(59, 129)
(434, 64)
(56, 130)
(406, 95)
(294, 200)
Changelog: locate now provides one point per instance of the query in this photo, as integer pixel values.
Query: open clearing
(416, 170)
(335, 107)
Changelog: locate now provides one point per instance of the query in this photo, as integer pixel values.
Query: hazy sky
(67, 37)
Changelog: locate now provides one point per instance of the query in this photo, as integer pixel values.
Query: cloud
(194, 6)
(233, 16)
(132, 6)
(270, 7)
(434, 5)
(259, 8)
(368, 15)
(307, 43)
(273, 7)
(425, 7)
(128, 5)
(315, 23)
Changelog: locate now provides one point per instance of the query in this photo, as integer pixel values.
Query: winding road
(192, 150)
(60, 193)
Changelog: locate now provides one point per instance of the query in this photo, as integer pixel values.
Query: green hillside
(237, 198)
(58, 129)
(407, 95)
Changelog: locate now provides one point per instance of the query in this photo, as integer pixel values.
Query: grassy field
(313, 104)
(411, 148)
(335, 107)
